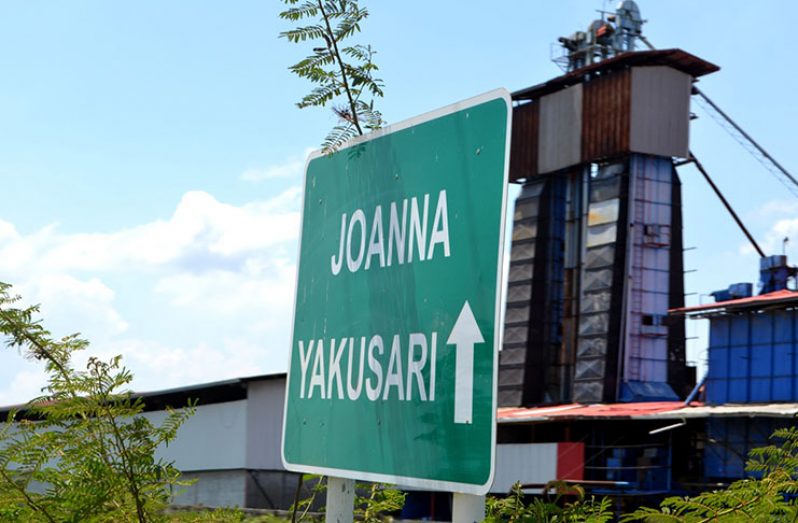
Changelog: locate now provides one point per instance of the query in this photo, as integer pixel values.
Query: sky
(151, 157)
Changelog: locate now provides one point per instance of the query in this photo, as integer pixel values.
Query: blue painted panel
(783, 389)
(759, 433)
(739, 362)
(717, 391)
(731, 441)
(719, 332)
(718, 362)
(715, 452)
(761, 361)
(762, 328)
(762, 372)
(760, 390)
(736, 430)
(738, 390)
(735, 463)
(792, 355)
(647, 391)
(783, 331)
(783, 359)
(739, 330)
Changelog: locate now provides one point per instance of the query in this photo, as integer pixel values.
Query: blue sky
(151, 156)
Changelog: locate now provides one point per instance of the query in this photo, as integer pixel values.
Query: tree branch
(332, 45)
(29, 500)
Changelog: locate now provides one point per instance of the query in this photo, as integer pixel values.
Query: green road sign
(392, 374)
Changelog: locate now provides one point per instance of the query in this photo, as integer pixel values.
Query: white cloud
(25, 384)
(85, 305)
(775, 208)
(158, 366)
(291, 168)
(261, 286)
(786, 228)
(771, 224)
(227, 268)
(200, 223)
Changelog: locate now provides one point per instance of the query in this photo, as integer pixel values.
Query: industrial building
(593, 382)
(594, 347)
(231, 445)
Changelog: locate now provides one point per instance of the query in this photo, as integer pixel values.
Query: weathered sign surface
(392, 373)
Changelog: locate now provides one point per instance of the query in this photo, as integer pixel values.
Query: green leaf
(306, 10)
(342, 75)
(300, 34)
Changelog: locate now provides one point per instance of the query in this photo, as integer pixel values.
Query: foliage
(373, 501)
(222, 515)
(513, 508)
(336, 71)
(745, 500)
(80, 452)
(381, 500)
(301, 506)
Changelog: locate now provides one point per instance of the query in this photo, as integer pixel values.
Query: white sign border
(403, 481)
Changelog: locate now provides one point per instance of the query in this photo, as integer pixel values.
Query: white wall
(214, 489)
(524, 462)
(265, 423)
(213, 438)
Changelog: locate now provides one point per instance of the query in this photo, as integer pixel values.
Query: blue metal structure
(753, 358)
(729, 440)
(774, 273)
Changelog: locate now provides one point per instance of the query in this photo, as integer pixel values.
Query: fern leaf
(306, 10)
(300, 34)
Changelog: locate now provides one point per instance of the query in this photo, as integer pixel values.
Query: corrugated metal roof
(596, 411)
(772, 299)
(205, 393)
(676, 58)
(659, 410)
(771, 410)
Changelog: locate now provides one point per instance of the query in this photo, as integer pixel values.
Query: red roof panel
(575, 410)
(772, 298)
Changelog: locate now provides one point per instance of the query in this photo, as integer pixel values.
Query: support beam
(340, 500)
(468, 508)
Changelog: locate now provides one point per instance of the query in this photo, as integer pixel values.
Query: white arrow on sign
(465, 334)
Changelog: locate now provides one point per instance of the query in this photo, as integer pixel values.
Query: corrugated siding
(729, 440)
(214, 438)
(753, 358)
(265, 402)
(524, 142)
(527, 463)
(605, 123)
(559, 142)
(660, 111)
(532, 334)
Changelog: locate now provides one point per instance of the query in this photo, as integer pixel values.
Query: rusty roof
(577, 410)
(652, 410)
(777, 299)
(676, 58)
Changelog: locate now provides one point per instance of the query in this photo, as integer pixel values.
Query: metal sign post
(340, 500)
(468, 508)
(392, 374)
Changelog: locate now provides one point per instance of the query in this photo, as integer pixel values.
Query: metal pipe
(668, 427)
(726, 204)
(731, 122)
(694, 392)
(745, 135)
(645, 41)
